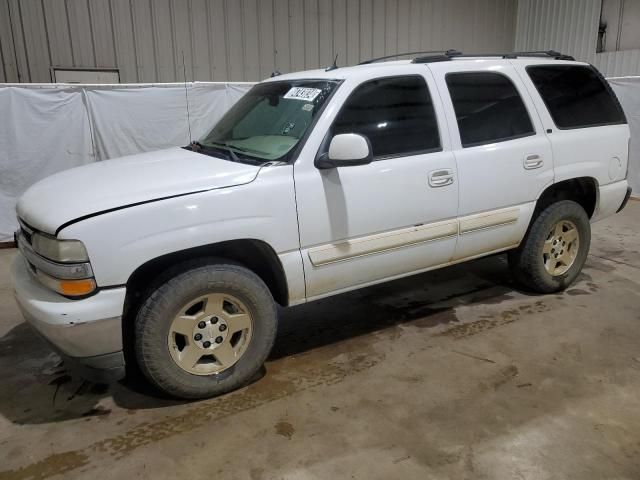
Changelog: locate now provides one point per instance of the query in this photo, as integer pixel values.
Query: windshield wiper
(228, 148)
(244, 149)
(233, 155)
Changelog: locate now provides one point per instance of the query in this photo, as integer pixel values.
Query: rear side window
(488, 108)
(396, 114)
(576, 96)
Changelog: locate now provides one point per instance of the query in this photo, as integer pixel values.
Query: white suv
(313, 184)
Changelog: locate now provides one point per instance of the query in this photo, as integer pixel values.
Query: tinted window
(396, 114)
(488, 108)
(576, 96)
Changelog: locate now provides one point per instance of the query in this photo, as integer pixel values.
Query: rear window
(488, 108)
(576, 96)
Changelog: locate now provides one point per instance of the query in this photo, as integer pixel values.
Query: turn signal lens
(68, 288)
(76, 288)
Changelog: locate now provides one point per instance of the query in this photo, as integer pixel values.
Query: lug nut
(206, 344)
(219, 339)
(197, 337)
(223, 327)
(201, 324)
(214, 320)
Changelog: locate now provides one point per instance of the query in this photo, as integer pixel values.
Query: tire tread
(152, 354)
(525, 262)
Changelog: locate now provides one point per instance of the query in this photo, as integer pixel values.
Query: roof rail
(451, 54)
(378, 59)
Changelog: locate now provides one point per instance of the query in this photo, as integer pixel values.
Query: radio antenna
(186, 96)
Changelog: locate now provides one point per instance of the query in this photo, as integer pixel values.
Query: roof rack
(451, 54)
(378, 59)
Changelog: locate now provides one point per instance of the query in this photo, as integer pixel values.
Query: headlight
(61, 265)
(63, 251)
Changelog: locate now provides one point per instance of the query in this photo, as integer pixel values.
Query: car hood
(126, 181)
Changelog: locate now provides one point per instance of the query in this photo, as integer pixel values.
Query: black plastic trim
(625, 201)
(452, 54)
(386, 57)
(498, 140)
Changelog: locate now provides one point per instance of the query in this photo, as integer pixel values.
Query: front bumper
(87, 333)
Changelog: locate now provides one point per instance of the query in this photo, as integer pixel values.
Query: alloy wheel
(561, 248)
(210, 334)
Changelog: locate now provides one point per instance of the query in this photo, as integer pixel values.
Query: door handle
(441, 178)
(533, 161)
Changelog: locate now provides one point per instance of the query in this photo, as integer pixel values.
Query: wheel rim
(210, 334)
(561, 248)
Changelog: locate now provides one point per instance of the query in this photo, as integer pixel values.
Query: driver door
(363, 224)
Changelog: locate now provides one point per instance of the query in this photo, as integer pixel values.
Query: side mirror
(346, 150)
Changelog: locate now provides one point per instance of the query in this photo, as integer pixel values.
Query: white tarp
(134, 120)
(628, 92)
(48, 128)
(42, 132)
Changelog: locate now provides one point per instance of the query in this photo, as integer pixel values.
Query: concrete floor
(450, 374)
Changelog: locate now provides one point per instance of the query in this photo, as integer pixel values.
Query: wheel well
(581, 190)
(255, 255)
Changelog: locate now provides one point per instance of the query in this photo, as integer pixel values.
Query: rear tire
(206, 331)
(555, 249)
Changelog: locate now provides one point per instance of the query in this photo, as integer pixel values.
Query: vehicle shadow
(36, 388)
(429, 298)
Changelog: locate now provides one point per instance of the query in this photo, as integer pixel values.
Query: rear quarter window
(576, 96)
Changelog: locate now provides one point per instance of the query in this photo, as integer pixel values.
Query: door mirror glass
(346, 150)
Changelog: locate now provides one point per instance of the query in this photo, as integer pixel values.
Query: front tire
(554, 251)
(206, 331)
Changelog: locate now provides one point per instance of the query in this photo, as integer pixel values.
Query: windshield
(269, 120)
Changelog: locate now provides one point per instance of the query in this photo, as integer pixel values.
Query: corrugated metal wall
(570, 26)
(235, 39)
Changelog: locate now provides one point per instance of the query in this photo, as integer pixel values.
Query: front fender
(119, 242)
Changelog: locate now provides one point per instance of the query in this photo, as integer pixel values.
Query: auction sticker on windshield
(302, 93)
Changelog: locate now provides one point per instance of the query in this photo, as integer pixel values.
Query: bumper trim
(626, 199)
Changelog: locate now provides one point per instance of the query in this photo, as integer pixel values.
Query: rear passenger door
(503, 156)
